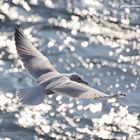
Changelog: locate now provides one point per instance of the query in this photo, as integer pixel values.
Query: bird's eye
(78, 78)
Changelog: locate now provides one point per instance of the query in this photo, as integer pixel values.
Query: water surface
(100, 41)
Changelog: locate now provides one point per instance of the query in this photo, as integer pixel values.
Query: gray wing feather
(35, 62)
(47, 78)
(71, 88)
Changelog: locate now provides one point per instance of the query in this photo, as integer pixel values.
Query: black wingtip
(18, 32)
(18, 27)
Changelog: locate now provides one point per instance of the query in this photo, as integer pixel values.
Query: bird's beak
(84, 82)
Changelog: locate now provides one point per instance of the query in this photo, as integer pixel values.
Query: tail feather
(32, 95)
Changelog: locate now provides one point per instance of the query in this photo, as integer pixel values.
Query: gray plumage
(48, 79)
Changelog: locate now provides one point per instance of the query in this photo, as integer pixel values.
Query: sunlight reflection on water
(98, 40)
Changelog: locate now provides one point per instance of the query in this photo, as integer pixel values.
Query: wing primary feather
(34, 61)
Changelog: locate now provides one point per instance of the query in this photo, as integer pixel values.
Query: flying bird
(48, 79)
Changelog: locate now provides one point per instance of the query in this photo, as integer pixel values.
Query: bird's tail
(32, 95)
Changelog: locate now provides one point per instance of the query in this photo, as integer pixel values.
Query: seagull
(48, 80)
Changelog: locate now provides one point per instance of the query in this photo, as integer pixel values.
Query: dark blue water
(100, 41)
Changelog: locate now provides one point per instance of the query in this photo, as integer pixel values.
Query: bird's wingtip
(18, 27)
(18, 32)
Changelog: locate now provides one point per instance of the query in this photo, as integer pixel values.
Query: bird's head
(77, 78)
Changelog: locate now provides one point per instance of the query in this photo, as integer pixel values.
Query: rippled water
(100, 40)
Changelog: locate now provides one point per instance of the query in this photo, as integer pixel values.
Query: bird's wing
(71, 88)
(35, 62)
(47, 78)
